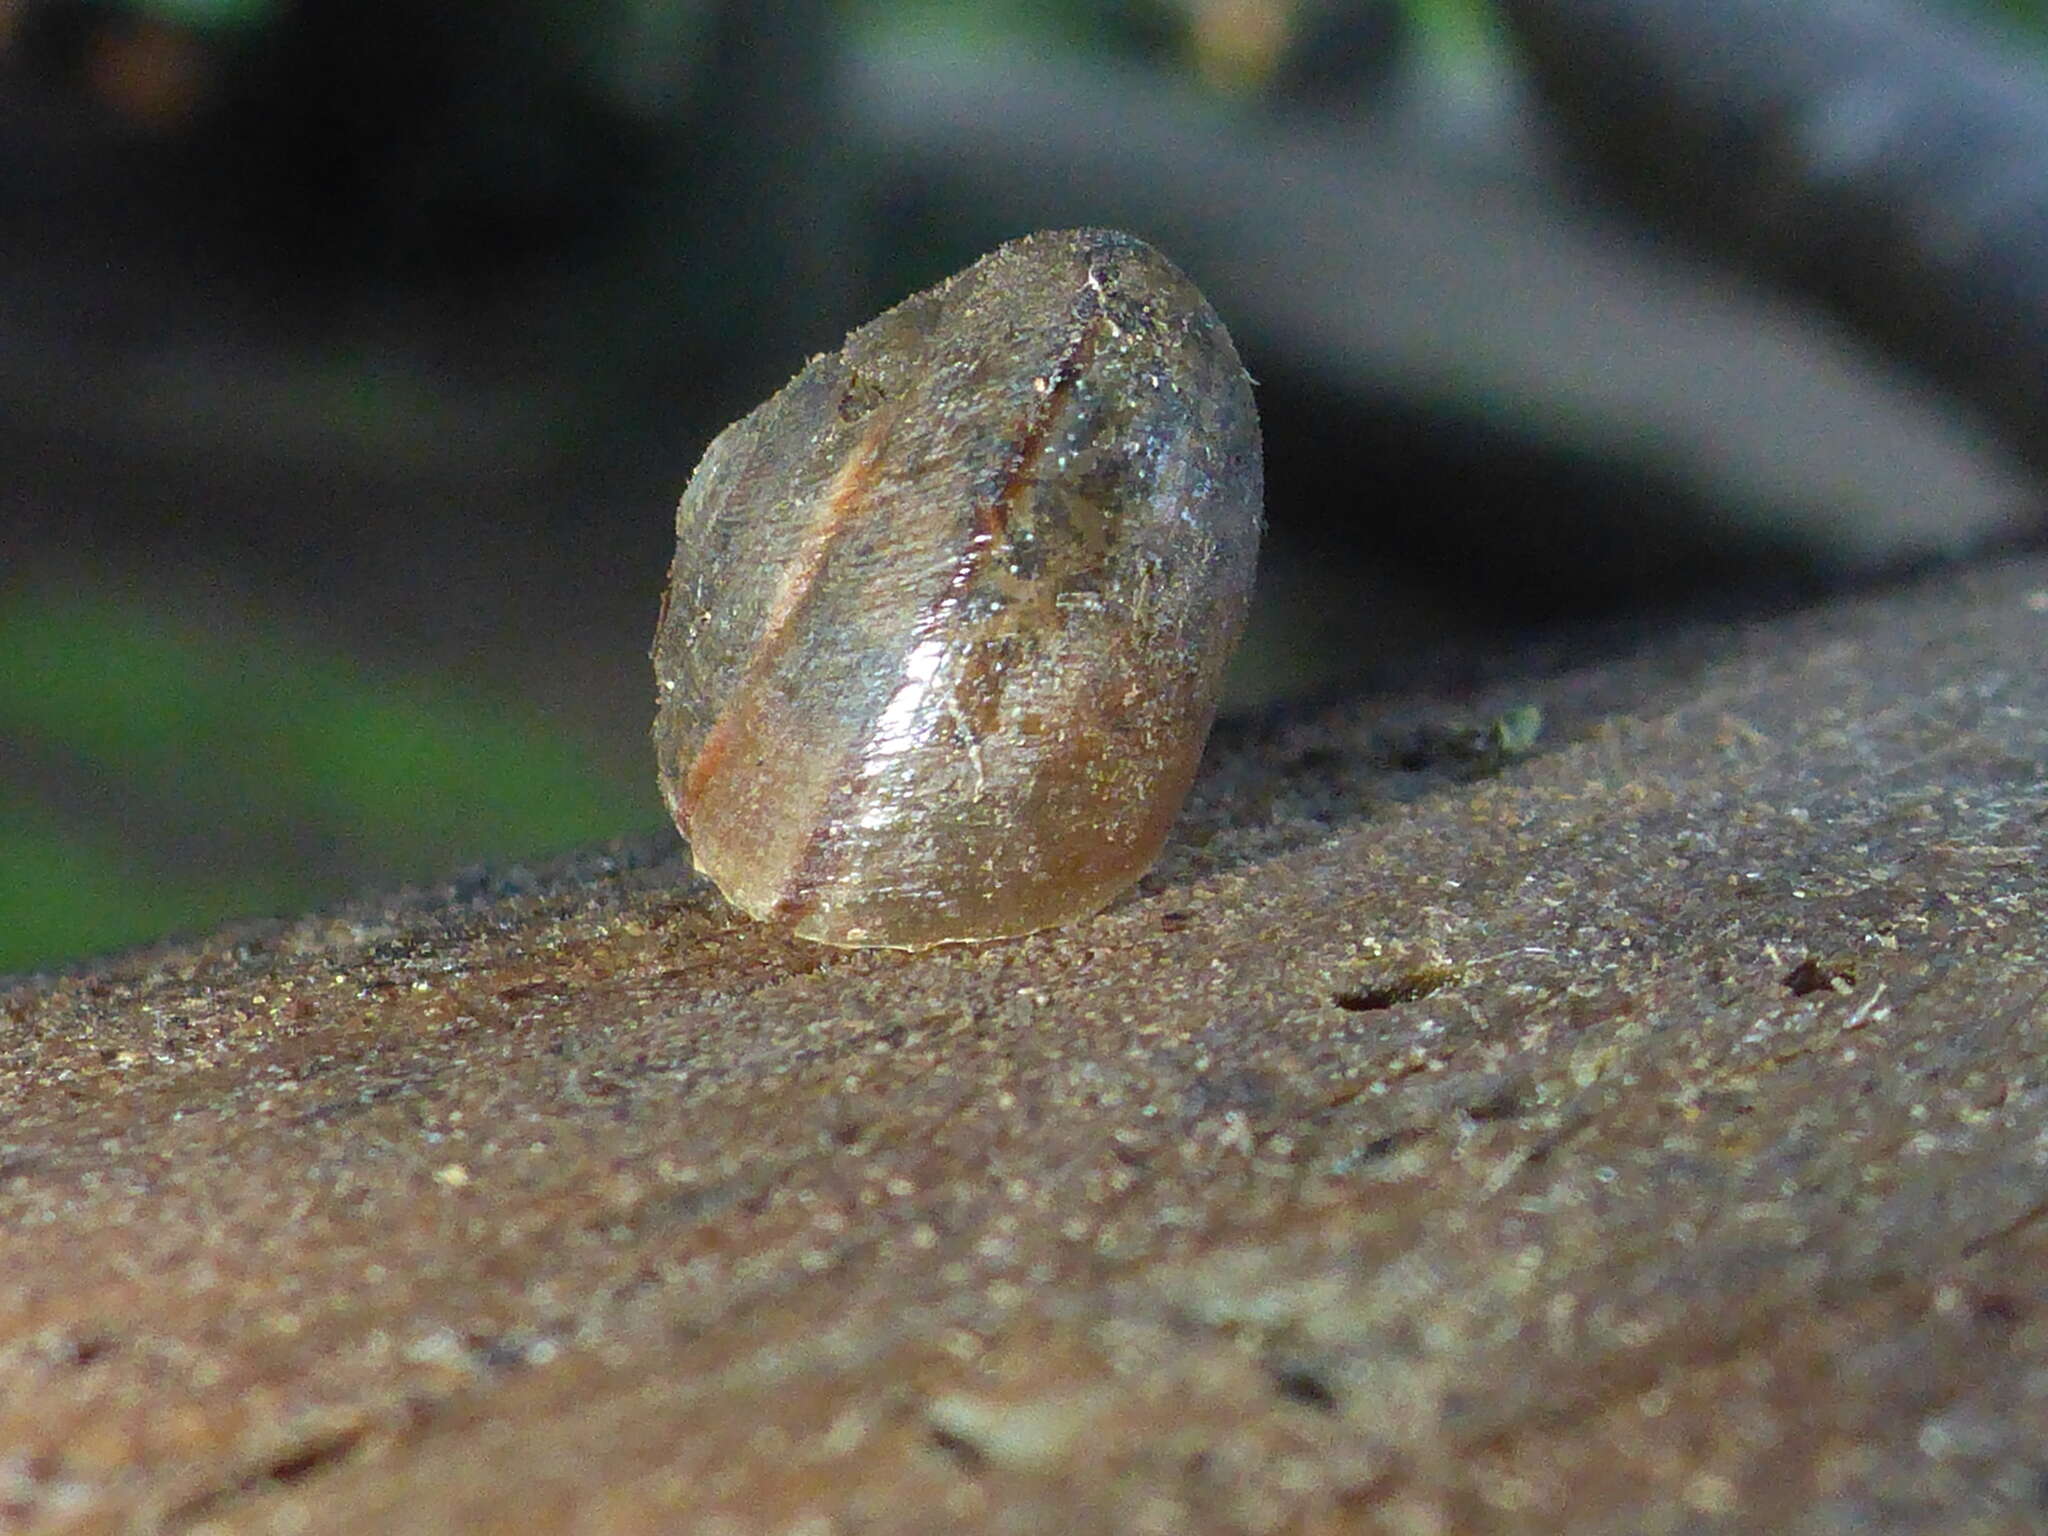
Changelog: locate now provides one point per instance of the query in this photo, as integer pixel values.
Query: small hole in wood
(1409, 988)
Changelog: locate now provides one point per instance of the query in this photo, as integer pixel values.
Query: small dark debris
(1507, 1099)
(1380, 1146)
(1998, 1309)
(546, 987)
(970, 1457)
(288, 1468)
(1813, 975)
(87, 1349)
(1302, 1384)
(298, 1465)
(1376, 1148)
(1174, 922)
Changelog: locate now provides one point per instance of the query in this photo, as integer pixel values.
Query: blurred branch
(1412, 261)
(1874, 157)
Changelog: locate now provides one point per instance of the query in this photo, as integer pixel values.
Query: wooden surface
(1646, 1134)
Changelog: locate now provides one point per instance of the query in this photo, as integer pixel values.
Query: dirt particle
(1814, 974)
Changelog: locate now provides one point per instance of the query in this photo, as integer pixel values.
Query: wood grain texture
(1645, 1135)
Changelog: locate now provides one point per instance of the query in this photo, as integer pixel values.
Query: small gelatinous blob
(948, 615)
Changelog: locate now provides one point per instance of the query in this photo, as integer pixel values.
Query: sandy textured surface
(1644, 1134)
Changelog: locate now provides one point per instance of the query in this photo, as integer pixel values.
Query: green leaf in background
(66, 892)
(161, 776)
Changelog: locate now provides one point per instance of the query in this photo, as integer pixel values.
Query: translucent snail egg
(948, 615)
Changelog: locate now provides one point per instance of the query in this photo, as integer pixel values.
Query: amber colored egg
(948, 615)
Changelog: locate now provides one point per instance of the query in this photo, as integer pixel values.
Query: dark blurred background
(352, 358)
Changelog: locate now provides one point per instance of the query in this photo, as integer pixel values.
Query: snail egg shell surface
(948, 615)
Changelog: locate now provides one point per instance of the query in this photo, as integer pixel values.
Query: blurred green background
(351, 360)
